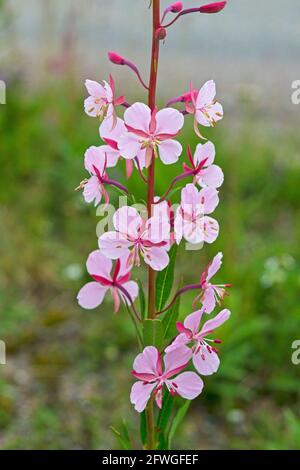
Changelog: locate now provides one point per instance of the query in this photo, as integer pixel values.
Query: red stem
(150, 199)
(151, 170)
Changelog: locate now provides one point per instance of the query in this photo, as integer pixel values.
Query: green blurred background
(67, 374)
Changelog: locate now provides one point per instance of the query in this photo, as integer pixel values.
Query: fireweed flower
(212, 294)
(118, 283)
(150, 132)
(205, 357)
(101, 102)
(148, 369)
(209, 174)
(191, 220)
(95, 163)
(137, 237)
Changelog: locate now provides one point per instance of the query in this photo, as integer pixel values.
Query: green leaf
(153, 333)
(177, 420)
(163, 420)
(143, 427)
(164, 281)
(142, 299)
(169, 320)
(122, 440)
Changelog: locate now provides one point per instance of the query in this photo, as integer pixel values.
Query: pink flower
(99, 267)
(95, 162)
(191, 221)
(212, 294)
(101, 102)
(151, 132)
(139, 237)
(202, 104)
(208, 174)
(148, 368)
(205, 357)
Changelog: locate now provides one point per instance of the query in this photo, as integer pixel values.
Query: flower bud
(213, 7)
(160, 33)
(176, 7)
(116, 58)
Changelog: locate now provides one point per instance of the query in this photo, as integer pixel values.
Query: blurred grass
(67, 374)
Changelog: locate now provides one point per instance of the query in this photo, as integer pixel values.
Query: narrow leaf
(165, 279)
(169, 321)
(177, 420)
(125, 445)
(153, 333)
(142, 299)
(143, 428)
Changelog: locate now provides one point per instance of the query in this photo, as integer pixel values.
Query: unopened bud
(160, 34)
(212, 7)
(176, 7)
(116, 58)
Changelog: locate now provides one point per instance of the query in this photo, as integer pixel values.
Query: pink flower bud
(160, 34)
(213, 7)
(176, 7)
(116, 58)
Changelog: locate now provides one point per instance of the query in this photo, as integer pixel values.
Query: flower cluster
(139, 136)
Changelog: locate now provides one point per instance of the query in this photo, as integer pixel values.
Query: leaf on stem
(122, 440)
(142, 300)
(177, 420)
(153, 333)
(143, 428)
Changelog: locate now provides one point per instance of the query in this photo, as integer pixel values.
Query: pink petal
(169, 151)
(108, 131)
(209, 198)
(138, 116)
(210, 229)
(208, 300)
(214, 266)
(108, 91)
(98, 264)
(95, 89)
(207, 366)
(189, 197)
(176, 360)
(192, 321)
(132, 289)
(211, 325)
(189, 385)
(92, 191)
(94, 156)
(140, 394)
(147, 361)
(202, 119)
(114, 245)
(129, 145)
(206, 94)
(212, 176)
(178, 226)
(216, 112)
(157, 258)
(156, 229)
(91, 107)
(168, 121)
(179, 341)
(91, 295)
(206, 152)
(128, 221)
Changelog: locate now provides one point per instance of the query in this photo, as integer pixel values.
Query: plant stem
(150, 197)
(151, 170)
